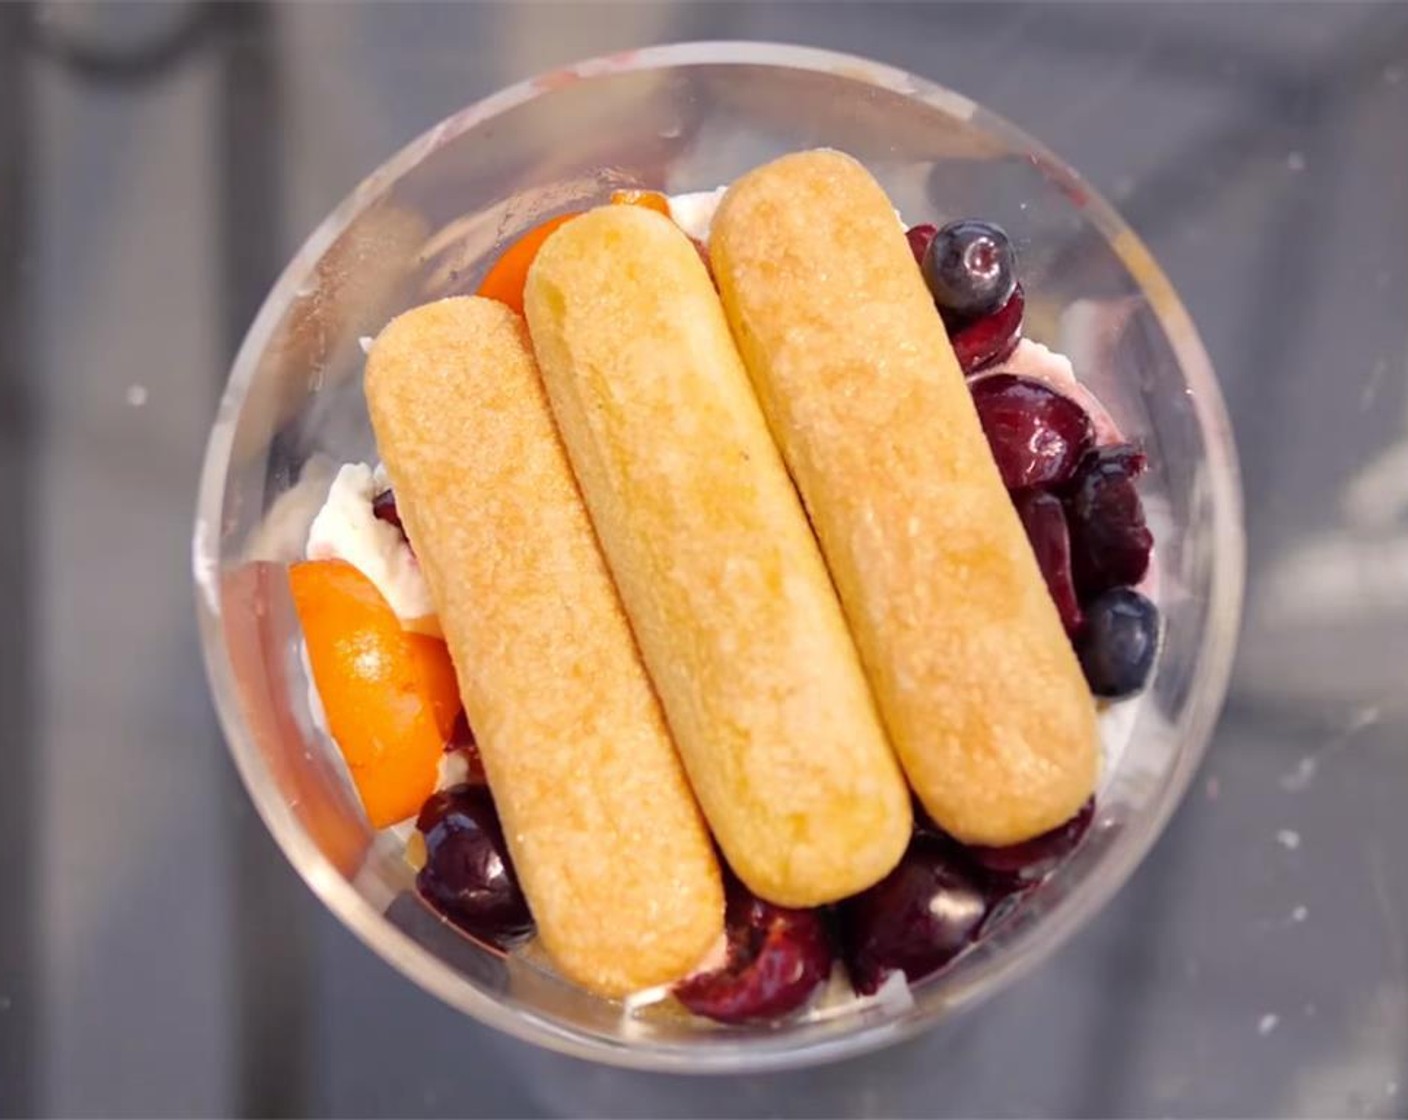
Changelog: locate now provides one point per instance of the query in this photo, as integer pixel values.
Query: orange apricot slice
(390, 695)
(651, 200)
(505, 279)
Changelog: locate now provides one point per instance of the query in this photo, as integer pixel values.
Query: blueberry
(1119, 642)
(971, 269)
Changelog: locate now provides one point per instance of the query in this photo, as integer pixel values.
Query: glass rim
(1029, 947)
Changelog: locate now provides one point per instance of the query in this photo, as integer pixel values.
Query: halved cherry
(468, 874)
(461, 742)
(919, 237)
(776, 959)
(384, 508)
(1044, 518)
(916, 919)
(987, 340)
(1037, 435)
(1110, 540)
(1021, 865)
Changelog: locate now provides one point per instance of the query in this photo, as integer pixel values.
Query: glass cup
(683, 118)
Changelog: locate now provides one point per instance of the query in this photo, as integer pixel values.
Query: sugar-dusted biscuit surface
(978, 685)
(612, 853)
(718, 570)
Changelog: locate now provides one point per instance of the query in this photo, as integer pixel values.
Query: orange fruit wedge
(258, 615)
(651, 200)
(508, 274)
(390, 695)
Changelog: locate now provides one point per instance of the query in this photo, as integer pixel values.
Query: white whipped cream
(1032, 359)
(694, 212)
(453, 770)
(347, 529)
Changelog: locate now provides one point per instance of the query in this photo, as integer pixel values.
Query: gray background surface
(158, 164)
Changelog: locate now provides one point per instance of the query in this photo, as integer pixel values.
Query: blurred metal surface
(158, 165)
(18, 912)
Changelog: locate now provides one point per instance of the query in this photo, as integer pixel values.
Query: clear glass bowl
(681, 118)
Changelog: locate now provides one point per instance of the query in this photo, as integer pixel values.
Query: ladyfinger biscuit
(978, 686)
(719, 573)
(613, 856)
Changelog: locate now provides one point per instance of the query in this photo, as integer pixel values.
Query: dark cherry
(1004, 904)
(1044, 518)
(461, 740)
(970, 268)
(916, 919)
(461, 735)
(919, 237)
(468, 876)
(384, 509)
(1118, 645)
(777, 958)
(1019, 866)
(1110, 542)
(988, 340)
(1037, 435)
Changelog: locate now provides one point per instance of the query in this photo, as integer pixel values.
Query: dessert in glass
(728, 594)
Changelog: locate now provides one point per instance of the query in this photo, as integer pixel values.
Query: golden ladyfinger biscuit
(612, 854)
(719, 573)
(976, 680)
